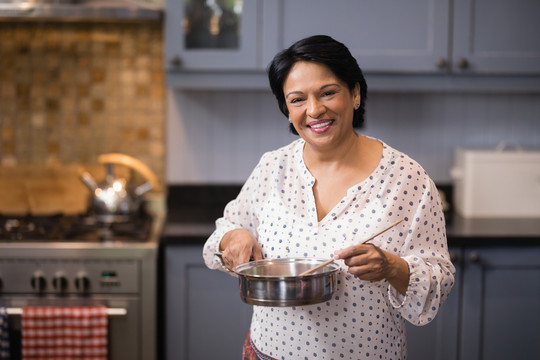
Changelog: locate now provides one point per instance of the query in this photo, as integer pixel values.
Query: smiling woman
(318, 197)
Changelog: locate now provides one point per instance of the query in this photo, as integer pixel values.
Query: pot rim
(328, 269)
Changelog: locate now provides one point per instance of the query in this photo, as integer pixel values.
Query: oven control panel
(69, 276)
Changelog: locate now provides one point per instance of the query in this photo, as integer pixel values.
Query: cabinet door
(438, 340)
(501, 303)
(497, 36)
(204, 316)
(383, 35)
(200, 35)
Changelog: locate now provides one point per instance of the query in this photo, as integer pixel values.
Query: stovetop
(74, 228)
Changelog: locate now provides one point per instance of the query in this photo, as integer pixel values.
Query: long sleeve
(239, 213)
(431, 271)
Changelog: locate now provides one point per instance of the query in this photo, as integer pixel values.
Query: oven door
(124, 321)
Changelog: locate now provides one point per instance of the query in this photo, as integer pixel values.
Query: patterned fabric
(4, 334)
(250, 352)
(64, 333)
(364, 319)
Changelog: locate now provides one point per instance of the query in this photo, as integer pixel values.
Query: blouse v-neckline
(351, 191)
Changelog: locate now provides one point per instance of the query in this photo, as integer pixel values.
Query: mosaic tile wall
(72, 91)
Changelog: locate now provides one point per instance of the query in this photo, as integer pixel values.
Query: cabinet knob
(463, 63)
(474, 257)
(441, 63)
(175, 61)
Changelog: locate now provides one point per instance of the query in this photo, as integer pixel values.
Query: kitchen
(202, 131)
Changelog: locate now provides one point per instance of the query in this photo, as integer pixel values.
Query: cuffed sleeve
(431, 273)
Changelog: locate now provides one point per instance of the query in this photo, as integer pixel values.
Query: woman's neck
(348, 151)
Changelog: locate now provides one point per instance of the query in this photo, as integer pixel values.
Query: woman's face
(320, 105)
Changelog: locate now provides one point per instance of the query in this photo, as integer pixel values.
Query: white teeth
(320, 125)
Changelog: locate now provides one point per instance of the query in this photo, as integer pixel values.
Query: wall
(218, 137)
(72, 91)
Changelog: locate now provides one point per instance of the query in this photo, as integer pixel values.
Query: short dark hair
(327, 51)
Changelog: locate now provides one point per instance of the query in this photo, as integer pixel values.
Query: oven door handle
(110, 311)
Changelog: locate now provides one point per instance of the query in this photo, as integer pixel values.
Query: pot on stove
(116, 198)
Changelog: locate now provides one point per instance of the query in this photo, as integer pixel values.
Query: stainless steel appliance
(65, 260)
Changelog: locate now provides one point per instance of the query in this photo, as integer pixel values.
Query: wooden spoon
(329, 261)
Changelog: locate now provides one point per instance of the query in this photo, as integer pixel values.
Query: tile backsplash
(72, 91)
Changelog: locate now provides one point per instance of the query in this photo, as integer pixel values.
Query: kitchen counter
(194, 220)
(459, 231)
(486, 231)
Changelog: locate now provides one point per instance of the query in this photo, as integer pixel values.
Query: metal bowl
(276, 282)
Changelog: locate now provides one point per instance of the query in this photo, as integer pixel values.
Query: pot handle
(220, 256)
(137, 165)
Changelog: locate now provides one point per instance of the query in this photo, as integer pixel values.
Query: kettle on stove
(115, 198)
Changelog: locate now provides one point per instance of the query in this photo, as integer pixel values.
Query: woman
(319, 197)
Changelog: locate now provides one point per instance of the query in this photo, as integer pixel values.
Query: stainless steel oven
(72, 271)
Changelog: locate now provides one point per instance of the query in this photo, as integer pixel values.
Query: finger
(257, 253)
(227, 262)
(351, 251)
(366, 272)
(243, 258)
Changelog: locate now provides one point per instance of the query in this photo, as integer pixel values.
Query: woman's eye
(329, 93)
(295, 100)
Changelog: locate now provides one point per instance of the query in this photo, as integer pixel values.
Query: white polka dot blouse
(363, 320)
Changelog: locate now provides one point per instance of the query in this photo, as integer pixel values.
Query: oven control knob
(38, 282)
(82, 282)
(60, 282)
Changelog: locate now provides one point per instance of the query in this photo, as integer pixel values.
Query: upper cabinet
(496, 36)
(217, 44)
(384, 35)
(211, 35)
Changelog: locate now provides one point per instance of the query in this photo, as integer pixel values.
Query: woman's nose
(315, 108)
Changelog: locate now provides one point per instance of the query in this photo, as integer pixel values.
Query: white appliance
(497, 183)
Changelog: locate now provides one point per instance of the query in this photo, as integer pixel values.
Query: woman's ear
(356, 93)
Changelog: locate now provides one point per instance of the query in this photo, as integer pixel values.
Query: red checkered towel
(64, 333)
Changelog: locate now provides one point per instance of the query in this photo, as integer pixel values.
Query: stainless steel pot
(276, 282)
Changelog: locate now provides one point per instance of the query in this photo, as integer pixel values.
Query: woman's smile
(320, 126)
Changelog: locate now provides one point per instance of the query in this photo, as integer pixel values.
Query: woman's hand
(238, 247)
(371, 263)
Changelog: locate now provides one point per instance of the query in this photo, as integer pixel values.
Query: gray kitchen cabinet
(384, 36)
(489, 36)
(200, 35)
(204, 316)
(500, 316)
(387, 36)
(496, 36)
(412, 45)
(493, 311)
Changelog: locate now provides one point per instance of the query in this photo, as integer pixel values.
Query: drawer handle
(110, 311)
(176, 62)
(474, 257)
(463, 63)
(441, 63)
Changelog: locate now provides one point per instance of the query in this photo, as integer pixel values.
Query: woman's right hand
(239, 246)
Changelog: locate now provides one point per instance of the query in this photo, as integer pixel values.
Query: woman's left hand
(371, 263)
